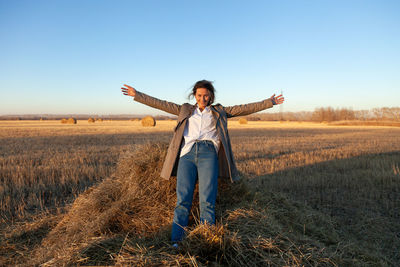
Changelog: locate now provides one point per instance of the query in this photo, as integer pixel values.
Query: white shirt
(200, 126)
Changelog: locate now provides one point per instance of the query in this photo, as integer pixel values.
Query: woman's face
(202, 97)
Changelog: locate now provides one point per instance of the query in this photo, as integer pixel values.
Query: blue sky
(73, 56)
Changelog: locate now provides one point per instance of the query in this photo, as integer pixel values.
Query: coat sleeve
(247, 109)
(157, 103)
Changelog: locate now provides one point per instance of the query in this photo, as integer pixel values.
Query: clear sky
(72, 56)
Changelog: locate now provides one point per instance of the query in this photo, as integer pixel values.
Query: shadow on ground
(344, 212)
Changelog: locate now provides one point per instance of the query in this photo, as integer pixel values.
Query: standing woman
(200, 148)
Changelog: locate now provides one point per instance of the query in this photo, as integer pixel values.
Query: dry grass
(45, 166)
(51, 128)
(133, 200)
(365, 123)
(250, 234)
(316, 195)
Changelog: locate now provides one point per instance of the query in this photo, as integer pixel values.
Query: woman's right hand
(128, 90)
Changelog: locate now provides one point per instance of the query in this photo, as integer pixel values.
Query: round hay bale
(91, 120)
(148, 121)
(64, 120)
(71, 121)
(99, 119)
(242, 121)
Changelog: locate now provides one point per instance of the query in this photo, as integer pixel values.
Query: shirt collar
(206, 109)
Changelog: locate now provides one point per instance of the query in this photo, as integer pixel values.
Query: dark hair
(204, 84)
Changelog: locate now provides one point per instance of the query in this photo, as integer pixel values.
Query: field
(312, 194)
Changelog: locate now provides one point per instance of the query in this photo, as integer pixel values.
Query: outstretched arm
(151, 101)
(247, 109)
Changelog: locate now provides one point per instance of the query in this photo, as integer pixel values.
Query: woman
(200, 148)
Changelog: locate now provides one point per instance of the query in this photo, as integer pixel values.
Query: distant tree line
(379, 114)
(330, 114)
(79, 117)
(322, 114)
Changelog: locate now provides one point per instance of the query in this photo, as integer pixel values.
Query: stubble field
(324, 195)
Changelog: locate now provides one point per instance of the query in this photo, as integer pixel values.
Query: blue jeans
(202, 163)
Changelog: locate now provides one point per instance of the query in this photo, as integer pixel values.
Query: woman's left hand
(277, 99)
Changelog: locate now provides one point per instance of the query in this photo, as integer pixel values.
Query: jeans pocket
(210, 146)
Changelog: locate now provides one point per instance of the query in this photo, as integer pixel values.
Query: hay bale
(64, 121)
(99, 119)
(133, 200)
(91, 120)
(242, 121)
(71, 121)
(148, 121)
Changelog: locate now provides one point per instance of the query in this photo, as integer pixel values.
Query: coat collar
(215, 112)
(212, 107)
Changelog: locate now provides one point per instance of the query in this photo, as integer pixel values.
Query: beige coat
(227, 166)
